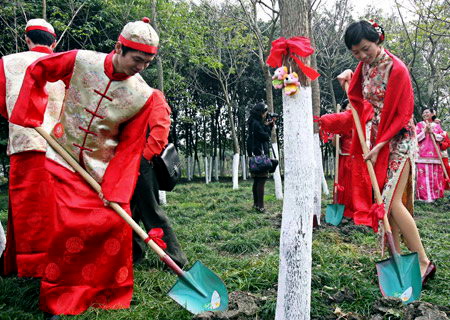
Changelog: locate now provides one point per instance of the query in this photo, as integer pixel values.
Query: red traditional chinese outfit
(30, 220)
(393, 102)
(342, 124)
(103, 126)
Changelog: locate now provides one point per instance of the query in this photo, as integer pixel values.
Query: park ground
(216, 224)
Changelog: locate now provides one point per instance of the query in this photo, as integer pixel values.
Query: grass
(215, 224)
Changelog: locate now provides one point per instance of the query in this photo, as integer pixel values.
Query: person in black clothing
(145, 207)
(259, 131)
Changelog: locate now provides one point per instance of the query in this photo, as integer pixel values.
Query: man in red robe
(107, 112)
(29, 219)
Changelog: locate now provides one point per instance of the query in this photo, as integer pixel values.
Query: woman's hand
(373, 154)
(345, 76)
(428, 128)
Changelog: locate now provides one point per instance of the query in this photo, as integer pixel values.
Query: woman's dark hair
(40, 37)
(126, 49)
(426, 108)
(357, 31)
(257, 110)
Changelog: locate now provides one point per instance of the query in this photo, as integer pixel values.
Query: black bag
(167, 168)
(274, 165)
(259, 164)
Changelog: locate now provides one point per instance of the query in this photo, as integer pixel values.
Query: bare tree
(294, 279)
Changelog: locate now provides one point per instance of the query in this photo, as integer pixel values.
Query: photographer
(260, 125)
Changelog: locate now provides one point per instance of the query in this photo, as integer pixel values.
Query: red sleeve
(159, 124)
(445, 144)
(30, 106)
(3, 110)
(120, 177)
(338, 123)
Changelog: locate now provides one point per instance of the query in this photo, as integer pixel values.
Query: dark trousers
(258, 191)
(145, 207)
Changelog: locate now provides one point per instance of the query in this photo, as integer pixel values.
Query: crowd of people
(98, 108)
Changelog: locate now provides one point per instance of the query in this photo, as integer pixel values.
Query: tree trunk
(206, 170)
(44, 9)
(158, 57)
(277, 174)
(235, 172)
(294, 279)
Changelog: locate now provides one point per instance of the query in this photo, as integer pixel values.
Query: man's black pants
(145, 207)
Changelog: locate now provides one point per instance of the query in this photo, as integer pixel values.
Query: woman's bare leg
(405, 221)
(395, 233)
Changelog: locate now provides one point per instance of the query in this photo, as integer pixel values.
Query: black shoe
(429, 273)
(49, 316)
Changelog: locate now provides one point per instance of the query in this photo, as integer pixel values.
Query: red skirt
(30, 216)
(345, 180)
(90, 255)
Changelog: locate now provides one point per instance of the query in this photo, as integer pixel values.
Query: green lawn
(216, 225)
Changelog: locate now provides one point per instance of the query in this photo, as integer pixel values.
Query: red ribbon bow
(377, 212)
(156, 235)
(295, 46)
(339, 187)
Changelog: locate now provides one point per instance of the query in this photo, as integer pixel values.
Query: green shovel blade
(400, 277)
(199, 290)
(334, 214)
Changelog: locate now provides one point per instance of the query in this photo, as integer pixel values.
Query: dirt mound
(392, 308)
(242, 306)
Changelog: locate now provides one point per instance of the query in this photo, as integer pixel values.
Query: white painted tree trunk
(235, 171)
(325, 185)
(162, 197)
(189, 168)
(206, 170)
(318, 173)
(277, 174)
(2, 239)
(244, 167)
(294, 278)
(216, 168)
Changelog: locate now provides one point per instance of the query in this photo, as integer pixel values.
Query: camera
(272, 116)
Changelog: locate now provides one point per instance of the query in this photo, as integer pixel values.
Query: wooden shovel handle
(373, 177)
(96, 186)
(336, 168)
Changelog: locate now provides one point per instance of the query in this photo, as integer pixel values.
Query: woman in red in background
(345, 196)
(383, 80)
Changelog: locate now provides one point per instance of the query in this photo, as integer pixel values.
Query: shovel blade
(334, 214)
(200, 290)
(400, 277)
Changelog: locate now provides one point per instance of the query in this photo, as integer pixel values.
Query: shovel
(335, 211)
(399, 276)
(198, 289)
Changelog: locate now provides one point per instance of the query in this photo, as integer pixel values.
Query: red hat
(40, 24)
(140, 35)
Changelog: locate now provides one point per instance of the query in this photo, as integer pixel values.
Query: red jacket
(395, 115)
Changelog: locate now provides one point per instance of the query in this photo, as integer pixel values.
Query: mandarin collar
(109, 69)
(42, 49)
(381, 56)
